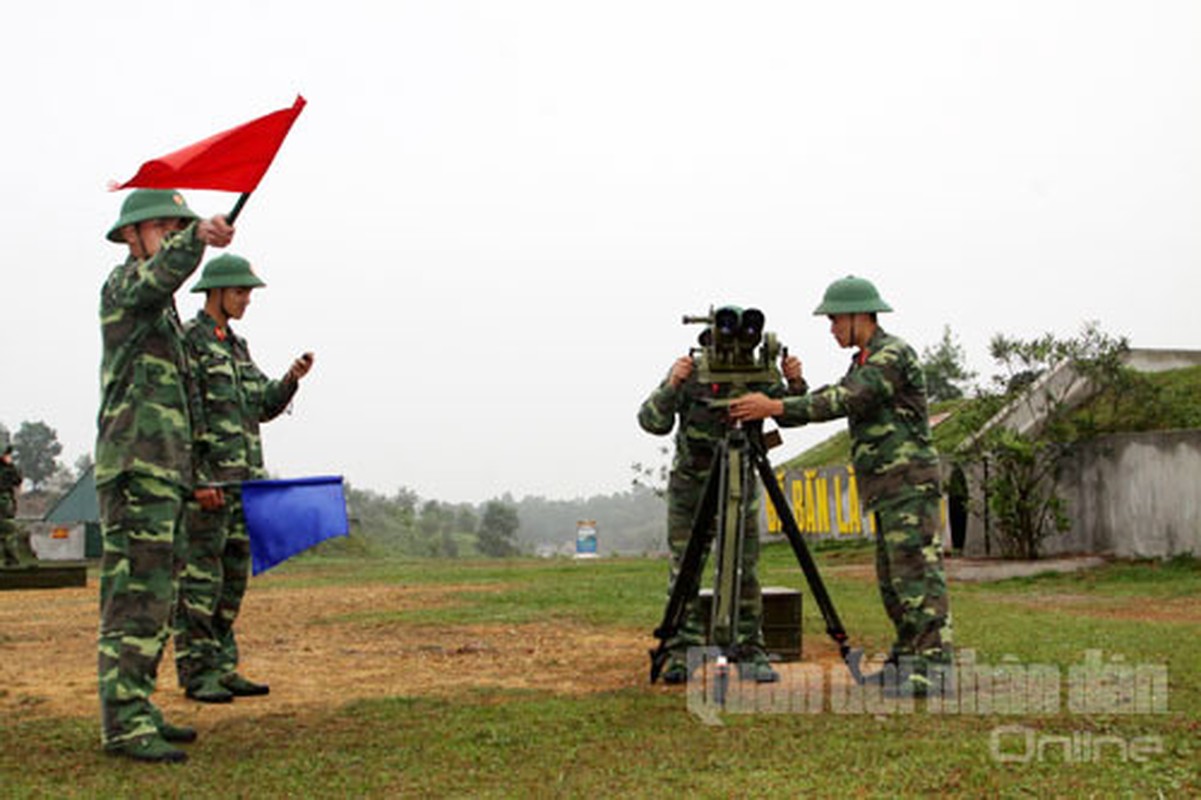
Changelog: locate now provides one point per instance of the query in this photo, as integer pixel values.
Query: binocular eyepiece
(730, 326)
(735, 348)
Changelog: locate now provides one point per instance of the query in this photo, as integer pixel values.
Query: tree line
(405, 524)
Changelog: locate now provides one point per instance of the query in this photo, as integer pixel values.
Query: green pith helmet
(144, 204)
(851, 295)
(227, 270)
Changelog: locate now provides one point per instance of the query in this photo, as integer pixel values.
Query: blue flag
(286, 517)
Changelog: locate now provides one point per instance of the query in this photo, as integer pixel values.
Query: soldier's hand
(755, 406)
(210, 498)
(680, 371)
(300, 367)
(215, 232)
(791, 367)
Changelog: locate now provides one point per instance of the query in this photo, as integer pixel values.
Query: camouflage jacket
(701, 426)
(883, 397)
(144, 425)
(10, 483)
(235, 397)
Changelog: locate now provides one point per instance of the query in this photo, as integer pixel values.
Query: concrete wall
(1130, 495)
(57, 542)
(1138, 494)
(1148, 360)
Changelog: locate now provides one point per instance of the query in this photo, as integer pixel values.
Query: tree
(36, 448)
(465, 518)
(406, 500)
(436, 526)
(83, 464)
(389, 522)
(59, 483)
(1041, 380)
(432, 519)
(449, 548)
(498, 529)
(945, 368)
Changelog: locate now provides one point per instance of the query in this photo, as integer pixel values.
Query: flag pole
(237, 209)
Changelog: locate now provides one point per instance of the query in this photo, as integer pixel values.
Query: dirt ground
(299, 641)
(320, 648)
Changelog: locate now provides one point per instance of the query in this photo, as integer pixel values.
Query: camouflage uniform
(10, 534)
(700, 430)
(144, 472)
(235, 397)
(883, 397)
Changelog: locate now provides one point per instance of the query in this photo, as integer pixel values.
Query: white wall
(1130, 495)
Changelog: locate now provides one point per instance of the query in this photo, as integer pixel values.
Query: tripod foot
(853, 658)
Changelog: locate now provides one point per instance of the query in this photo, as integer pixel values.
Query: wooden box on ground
(781, 620)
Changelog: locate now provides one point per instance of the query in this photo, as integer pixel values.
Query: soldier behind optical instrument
(702, 425)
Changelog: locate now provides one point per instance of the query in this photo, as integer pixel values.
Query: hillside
(1157, 401)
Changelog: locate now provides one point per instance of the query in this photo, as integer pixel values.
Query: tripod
(722, 513)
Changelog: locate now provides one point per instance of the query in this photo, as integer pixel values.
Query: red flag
(233, 161)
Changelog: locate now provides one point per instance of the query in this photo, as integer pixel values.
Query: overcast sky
(491, 216)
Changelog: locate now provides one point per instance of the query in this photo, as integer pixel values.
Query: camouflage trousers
(11, 540)
(139, 517)
(683, 497)
(211, 589)
(910, 572)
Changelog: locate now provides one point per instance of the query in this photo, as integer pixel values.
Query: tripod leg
(687, 581)
(727, 576)
(852, 657)
(737, 610)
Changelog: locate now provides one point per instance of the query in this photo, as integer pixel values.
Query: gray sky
(491, 216)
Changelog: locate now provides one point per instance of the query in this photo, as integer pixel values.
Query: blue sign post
(585, 538)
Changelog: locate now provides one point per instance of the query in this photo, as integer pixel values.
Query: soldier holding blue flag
(235, 397)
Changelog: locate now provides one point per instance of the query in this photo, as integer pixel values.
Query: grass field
(575, 716)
